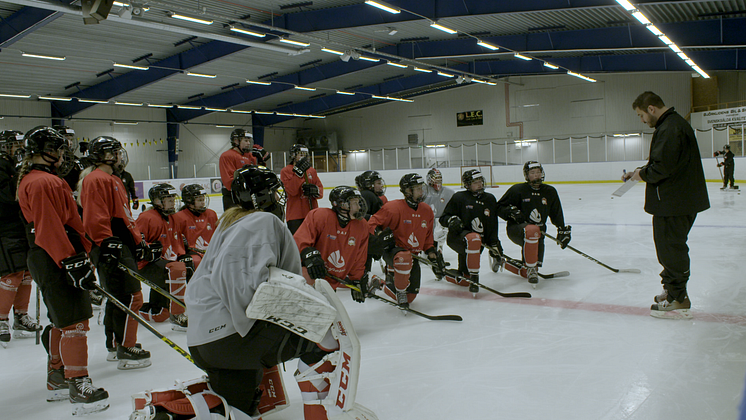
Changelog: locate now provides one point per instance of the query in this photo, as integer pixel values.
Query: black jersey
(373, 201)
(536, 204)
(477, 214)
(10, 212)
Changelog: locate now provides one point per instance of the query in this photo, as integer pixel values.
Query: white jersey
(236, 263)
(438, 199)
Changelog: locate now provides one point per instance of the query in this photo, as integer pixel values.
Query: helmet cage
(532, 164)
(158, 193)
(296, 149)
(434, 179)
(340, 198)
(258, 188)
(406, 186)
(471, 176)
(189, 195)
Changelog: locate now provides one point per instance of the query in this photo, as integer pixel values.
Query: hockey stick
(518, 264)
(310, 199)
(134, 274)
(38, 313)
(721, 171)
(616, 270)
(404, 308)
(453, 273)
(143, 322)
(199, 251)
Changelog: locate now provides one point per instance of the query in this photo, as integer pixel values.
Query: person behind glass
(254, 261)
(526, 207)
(240, 154)
(729, 166)
(195, 221)
(372, 187)
(675, 191)
(109, 223)
(302, 185)
(59, 263)
(172, 271)
(15, 283)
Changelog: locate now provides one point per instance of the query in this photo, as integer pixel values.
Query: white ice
(584, 347)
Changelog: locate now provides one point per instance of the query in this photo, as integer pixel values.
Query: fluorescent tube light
(654, 30)
(580, 76)
(443, 28)
(130, 66)
(422, 70)
(92, 101)
(401, 66)
(639, 16)
(188, 107)
(127, 103)
(298, 43)
(7, 95)
(224, 126)
(126, 122)
(255, 82)
(551, 66)
(55, 98)
(305, 88)
(341, 92)
(375, 60)
(383, 6)
(440, 73)
(487, 45)
(244, 31)
(46, 57)
(522, 57)
(209, 76)
(626, 4)
(190, 19)
(329, 50)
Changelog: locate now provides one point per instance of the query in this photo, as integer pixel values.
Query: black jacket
(477, 214)
(674, 175)
(536, 205)
(11, 223)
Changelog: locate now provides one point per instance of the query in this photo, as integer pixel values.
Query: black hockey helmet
(532, 164)
(434, 179)
(105, 149)
(367, 181)
(158, 193)
(726, 147)
(67, 133)
(256, 187)
(340, 198)
(296, 149)
(190, 193)
(236, 137)
(407, 184)
(8, 140)
(469, 177)
(43, 140)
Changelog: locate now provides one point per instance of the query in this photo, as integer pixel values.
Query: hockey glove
(311, 258)
(310, 190)
(111, 250)
(302, 166)
(515, 214)
(189, 263)
(259, 157)
(564, 236)
(362, 284)
(79, 272)
(454, 224)
(135, 204)
(720, 164)
(497, 260)
(149, 252)
(438, 264)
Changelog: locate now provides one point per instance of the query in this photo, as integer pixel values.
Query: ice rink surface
(584, 347)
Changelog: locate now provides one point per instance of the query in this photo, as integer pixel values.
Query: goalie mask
(468, 178)
(412, 186)
(533, 179)
(54, 149)
(195, 198)
(108, 150)
(256, 187)
(434, 179)
(240, 134)
(164, 199)
(348, 204)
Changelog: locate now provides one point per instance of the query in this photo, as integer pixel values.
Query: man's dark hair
(646, 99)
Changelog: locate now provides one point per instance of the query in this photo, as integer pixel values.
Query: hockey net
(486, 170)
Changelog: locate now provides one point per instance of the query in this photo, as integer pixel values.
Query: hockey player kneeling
(250, 310)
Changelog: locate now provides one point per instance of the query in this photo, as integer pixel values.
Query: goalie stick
(453, 273)
(150, 284)
(392, 303)
(519, 264)
(616, 270)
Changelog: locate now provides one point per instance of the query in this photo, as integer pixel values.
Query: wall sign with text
(469, 118)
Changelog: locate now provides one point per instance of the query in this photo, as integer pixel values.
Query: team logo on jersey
(409, 222)
(209, 226)
(336, 259)
(332, 237)
(200, 243)
(535, 216)
(424, 224)
(476, 225)
(351, 242)
(469, 206)
(487, 212)
(413, 241)
(543, 201)
(169, 254)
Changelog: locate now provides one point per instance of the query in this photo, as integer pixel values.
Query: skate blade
(112, 357)
(133, 364)
(83, 409)
(24, 334)
(675, 314)
(178, 328)
(54, 395)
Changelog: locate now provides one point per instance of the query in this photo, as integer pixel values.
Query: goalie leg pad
(531, 245)
(288, 301)
(176, 280)
(274, 398)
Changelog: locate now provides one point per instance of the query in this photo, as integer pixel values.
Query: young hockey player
(302, 185)
(411, 221)
(471, 217)
(372, 187)
(172, 271)
(437, 197)
(335, 241)
(15, 283)
(526, 207)
(251, 275)
(59, 263)
(240, 154)
(196, 222)
(72, 167)
(108, 222)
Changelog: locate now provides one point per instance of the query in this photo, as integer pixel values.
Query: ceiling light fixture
(298, 43)
(440, 73)
(190, 19)
(255, 82)
(341, 92)
(127, 103)
(224, 126)
(383, 6)
(522, 57)
(487, 45)
(120, 4)
(640, 17)
(375, 60)
(551, 66)
(422, 70)
(160, 106)
(328, 50)
(244, 31)
(580, 76)
(130, 66)
(216, 109)
(126, 122)
(8, 95)
(240, 111)
(46, 57)
(305, 88)
(55, 98)
(209, 76)
(654, 30)
(264, 113)
(443, 28)
(401, 66)
(626, 4)
(92, 101)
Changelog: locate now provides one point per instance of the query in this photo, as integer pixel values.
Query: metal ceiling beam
(24, 22)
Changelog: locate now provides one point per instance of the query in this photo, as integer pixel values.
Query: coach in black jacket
(675, 192)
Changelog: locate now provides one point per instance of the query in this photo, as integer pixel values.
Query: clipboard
(624, 188)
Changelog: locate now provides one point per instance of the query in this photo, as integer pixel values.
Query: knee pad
(473, 248)
(532, 235)
(402, 269)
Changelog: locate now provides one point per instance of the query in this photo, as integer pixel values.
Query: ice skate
(532, 274)
(132, 358)
(4, 333)
(494, 264)
(58, 388)
(111, 355)
(86, 398)
(25, 327)
(402, 300)
(473, 288)
(672, 310)
(661, 297)
(179, 322)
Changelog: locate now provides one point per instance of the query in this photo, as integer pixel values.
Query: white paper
(624, 188)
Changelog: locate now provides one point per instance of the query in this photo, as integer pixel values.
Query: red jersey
(231, 160)
(383, 199)
(344, 249)
(413, 229)
(197, 230)
(156, 228)
(47, 201)
(297, 206)
(104, 198)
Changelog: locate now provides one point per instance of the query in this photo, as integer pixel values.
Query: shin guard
(176, 280)
(74, 349)
(473, 248)
(130, 325)
(531, 245)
